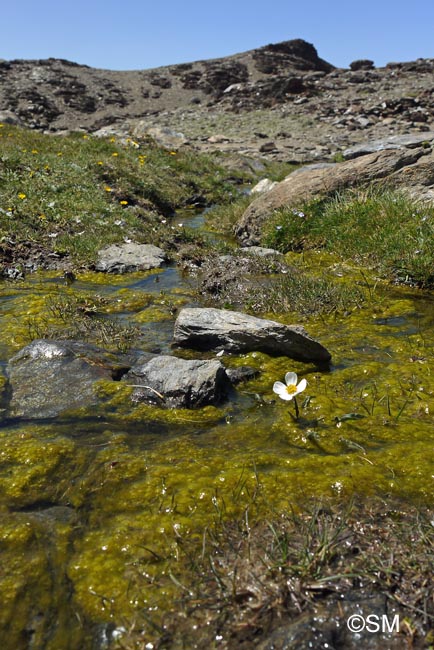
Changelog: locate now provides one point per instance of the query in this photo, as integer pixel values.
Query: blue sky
(134, 34)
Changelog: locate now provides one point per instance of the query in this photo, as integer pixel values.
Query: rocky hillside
(281, 100)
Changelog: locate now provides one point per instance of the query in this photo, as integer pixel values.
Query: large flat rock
(178, 383)
(317, 181)
(409, 140)
(208, 328)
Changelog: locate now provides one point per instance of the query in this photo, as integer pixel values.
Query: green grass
(74, 194)
(305, 295)
(222, 218)
(381, 229)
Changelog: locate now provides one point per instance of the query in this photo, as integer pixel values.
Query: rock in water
(127, 258)
(49, 377)
(208, 328)
(178, 383)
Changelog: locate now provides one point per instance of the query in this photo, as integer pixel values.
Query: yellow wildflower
(108, 189)
(123, 202)
(172, 153)
(42, 217)
(21, 195)
(115, 154)
(35, 151)
(100, 162)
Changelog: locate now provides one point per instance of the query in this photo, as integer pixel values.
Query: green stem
(297, 412)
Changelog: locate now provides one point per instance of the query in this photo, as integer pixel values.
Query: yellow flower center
(291, 389)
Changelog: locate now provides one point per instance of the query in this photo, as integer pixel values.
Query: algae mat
(96, 504)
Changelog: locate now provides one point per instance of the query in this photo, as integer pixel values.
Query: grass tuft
(383, 230)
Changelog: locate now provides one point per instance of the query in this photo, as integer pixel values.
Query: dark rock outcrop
(276, 58)
(362, 64)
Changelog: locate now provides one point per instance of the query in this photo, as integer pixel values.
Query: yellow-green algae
(149, 477)
(36, 465)
(33, 586)
(35, 308)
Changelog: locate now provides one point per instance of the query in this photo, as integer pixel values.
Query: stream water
(84, 498)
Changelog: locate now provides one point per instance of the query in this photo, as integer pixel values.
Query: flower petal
(290, 378)
(301, 386)
(280, 389)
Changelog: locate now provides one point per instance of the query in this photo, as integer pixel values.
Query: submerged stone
(209, 328)
(48, 377)
(242, 373)
(178, 383)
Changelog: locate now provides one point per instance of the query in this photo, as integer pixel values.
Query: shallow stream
(91, 503)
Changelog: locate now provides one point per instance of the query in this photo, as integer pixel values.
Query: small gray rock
(178, 383)
(127, 258)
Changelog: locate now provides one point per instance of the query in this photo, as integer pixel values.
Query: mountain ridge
(283, 100)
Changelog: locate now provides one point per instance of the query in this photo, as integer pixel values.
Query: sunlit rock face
(48, 377)
(208, 328)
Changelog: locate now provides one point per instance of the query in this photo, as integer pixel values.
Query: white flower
(291, 389)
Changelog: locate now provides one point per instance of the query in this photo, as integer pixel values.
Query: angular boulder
(320, 180)
(208, 328)
(178, 383)
(48, 377)
(127, 258)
